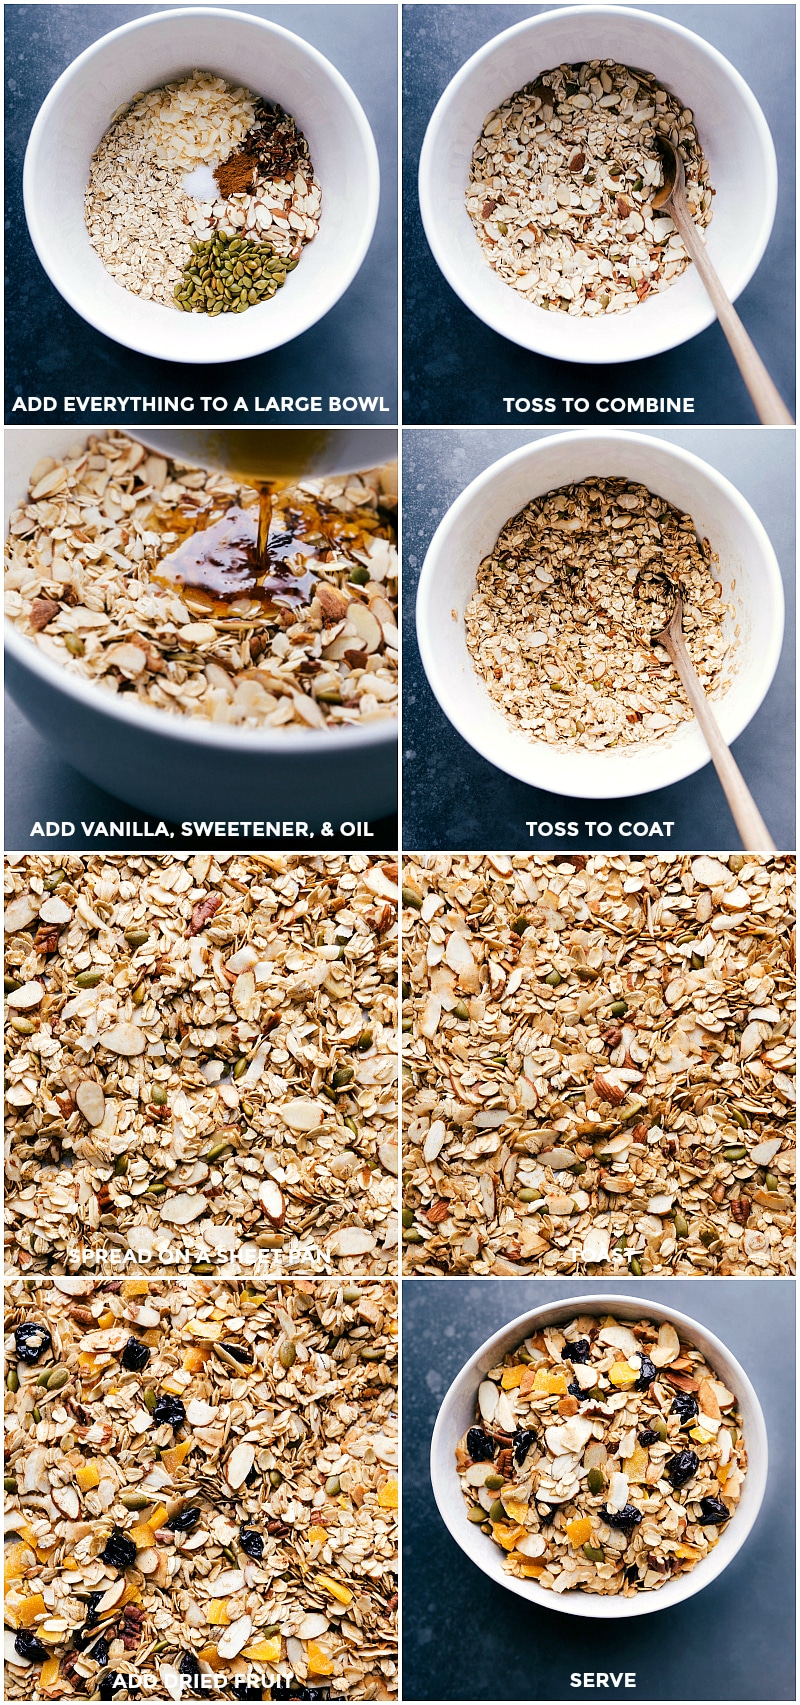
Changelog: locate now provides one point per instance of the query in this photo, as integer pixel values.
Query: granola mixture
(201, 1482)
(599, 1064)
(561, 185)
(201, 1062)
(559, 627)
(606, 1457)
(152, 189)
(86, 551)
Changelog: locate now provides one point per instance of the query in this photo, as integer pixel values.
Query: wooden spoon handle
(768, 402)
(753, 830)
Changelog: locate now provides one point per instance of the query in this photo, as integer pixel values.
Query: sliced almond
(367, 626)
(271, 1199)
(239, 1464)
(91, 1101)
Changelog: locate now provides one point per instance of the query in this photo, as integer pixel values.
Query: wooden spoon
(753, 830)
(671, 198)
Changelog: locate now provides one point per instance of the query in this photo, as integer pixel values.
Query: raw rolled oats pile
(560, 625)
(606, 1456)
(599, 1064)
(201, 1482)
(561, 186)
(186, 170)
(313, 643)
(201, 1062)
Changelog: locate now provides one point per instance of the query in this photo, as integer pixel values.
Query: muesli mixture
(599, 1064)
(201, 1062)
(560, 626)
(201, 1486)
(313, 643)
(202, 196)
(561, 185)
(606, 1457)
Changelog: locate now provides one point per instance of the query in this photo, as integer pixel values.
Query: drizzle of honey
(231, 556)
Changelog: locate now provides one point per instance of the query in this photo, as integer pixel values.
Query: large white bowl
(181, 769)
(457, 1413)
(733, 132)
(748, 570)
(142, 55)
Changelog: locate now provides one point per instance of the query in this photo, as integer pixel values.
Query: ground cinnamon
(236, 175)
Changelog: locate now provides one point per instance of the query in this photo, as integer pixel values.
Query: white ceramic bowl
(457, 1413)
(142, 55)
(176, 768)
(748, 570)
(733, 132)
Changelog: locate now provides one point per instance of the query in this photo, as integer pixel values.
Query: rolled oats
(201, 1062)
(606, 1457)
(561, 185)
(138, 1550)
(599, 1064)
(559, 627)
(86, 552)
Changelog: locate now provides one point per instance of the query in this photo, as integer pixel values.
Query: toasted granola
(201, 1488)
(599, 1064)
(561, 185)
(607, 1456)
(201, 1062)
(87, 581)
(560, 626)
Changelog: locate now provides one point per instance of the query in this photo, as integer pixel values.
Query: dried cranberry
(185, 1520)
(169, 1411)
(647, 1374)
(119, 1551)
(712, 1511)
(624, 1519)
(524, 1437)
(479, 1445)
(682, 1467)
(31, 1341)
(577, 1351)
(251, 1542)
(27, 1646)
(135, 1356)
(685, 1405)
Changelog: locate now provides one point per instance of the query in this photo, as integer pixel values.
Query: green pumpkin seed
(135, 1500)
(275, 1478)
(528, 1195)
(364, 1041)
(88, 979)
(497, 1513)
(476, 1514)
(595, 1480)
(23, 1026)
(636, 1266)
(412, 898)
(217, 1150)
(737, 1151)
(372, 1355)
(150, 1398)
(287, 1354)
(136, 937)
(461, 1010)
(595, 1553)
(351, 1293)
(494, 1482)
(619, 1009)
(342, 1076)
(10, 984)
(10, 1484)
(360, 575)
(412, 1235)
(55, 879)
(158, 1096)
(333, 1485)
(554, 978)
(12, 1380)
(37, 1415)
(681, 1224)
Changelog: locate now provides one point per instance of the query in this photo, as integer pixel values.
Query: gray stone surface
(457, 370)
(466, 1638)
(453, 798)
(50, 349)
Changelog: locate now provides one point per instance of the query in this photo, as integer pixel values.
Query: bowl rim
(100, 319)
(536, 340)
(586, 1604)
(672, 761)
(194, 731)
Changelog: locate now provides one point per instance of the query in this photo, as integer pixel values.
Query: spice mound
(605, 1457)
(138, 573)
(202, 196)
(560, 626)
(218, 1517)
(561, 185)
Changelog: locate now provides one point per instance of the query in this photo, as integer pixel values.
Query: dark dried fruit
(119, 1551)
(625, 1519)
(243, 1690)
(99, 1651)
(524, 1437)
(27, 1646)
(712, 1511)
(185, 1520)
(632, 1573)
(685, 1405)
(577, 1351)
(189, 1668)
(647, 1436)
(251, 1542)
(169, 1411)
(31, 1341)
(480, 1446)
(682, 1467)
(135, 1356)
(647, 1374)
(112, 1684)
(574, 1389)
(92, 1602)
(238, 1351)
